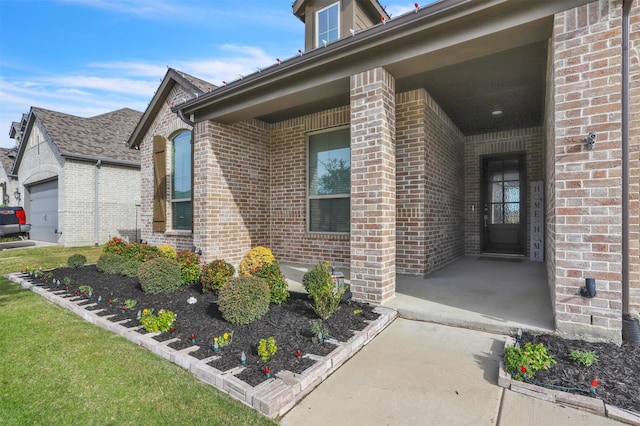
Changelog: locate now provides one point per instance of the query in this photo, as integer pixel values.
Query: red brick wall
(410, 183)
(289, 238)
(587, 47)
(231, 189)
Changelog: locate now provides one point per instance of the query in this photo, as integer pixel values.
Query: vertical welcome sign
(537, 222)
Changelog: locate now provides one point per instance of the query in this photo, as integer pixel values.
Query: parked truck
(13, 222)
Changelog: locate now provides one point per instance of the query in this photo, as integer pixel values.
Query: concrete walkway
(420, 373)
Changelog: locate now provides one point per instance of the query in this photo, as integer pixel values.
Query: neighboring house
(80, 182)
(8, 181)
(399, 144)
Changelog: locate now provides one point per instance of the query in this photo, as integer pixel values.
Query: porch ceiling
(512, 81)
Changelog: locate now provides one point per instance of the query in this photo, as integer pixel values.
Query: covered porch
(495, 294)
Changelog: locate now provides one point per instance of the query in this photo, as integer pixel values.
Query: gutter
(102, 160)
(630, 326)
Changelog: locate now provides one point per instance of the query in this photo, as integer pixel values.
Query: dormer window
(328, 20)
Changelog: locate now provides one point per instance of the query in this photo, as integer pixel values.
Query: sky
(89, 57)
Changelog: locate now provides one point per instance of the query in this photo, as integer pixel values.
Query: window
(329, 182)
(181, 181)
(328, 24)
(504, 191)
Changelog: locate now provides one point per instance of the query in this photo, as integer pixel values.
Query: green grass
(57, 369)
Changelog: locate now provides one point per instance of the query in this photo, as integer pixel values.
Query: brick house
(79, 182)
(397, 145)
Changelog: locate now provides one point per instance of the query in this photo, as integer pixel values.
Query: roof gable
(101, 137)
(189, 83)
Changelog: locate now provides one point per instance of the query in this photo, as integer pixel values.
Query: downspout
(630, 326)
(96, 204)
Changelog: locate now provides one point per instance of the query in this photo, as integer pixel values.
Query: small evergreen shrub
(243, 300)
(189, 266)
(130, 267)
(167, 251)
(76, 260)
(277, 282)
(159, 275)
(109, 263)
(255, 258)
(215, 274)
(323, 289)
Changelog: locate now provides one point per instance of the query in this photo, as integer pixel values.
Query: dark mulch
(616, 371)
(288, 323)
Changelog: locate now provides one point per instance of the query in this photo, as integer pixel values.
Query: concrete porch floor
(497, 295)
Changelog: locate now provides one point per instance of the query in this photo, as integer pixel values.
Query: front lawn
(58, 369)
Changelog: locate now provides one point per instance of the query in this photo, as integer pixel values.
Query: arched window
(181, 181)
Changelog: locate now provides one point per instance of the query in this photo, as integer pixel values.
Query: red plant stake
(523, 370)
(298, 353)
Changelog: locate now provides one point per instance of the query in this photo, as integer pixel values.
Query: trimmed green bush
(159, 275)
(215, 274)
(243, 300)
(109, 263)
(277, 283)
(130, 267)
(76, 260)
(324, 291)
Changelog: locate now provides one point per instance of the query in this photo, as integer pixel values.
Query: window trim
(317, 23)
(309, 197)
(173, 201)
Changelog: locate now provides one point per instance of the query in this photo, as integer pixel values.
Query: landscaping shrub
(76, 260)
(523, 363)
(130, 267)
(167, 251)
(255, 258)
(110, 263)
(115, 246)
(243, 300)
(140, 252)
(277, 282)
(189, 266)
(215, 274)
(159, 275)
(131, 251)
(324, 291)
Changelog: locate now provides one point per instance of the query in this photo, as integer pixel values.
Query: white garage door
(43, 211)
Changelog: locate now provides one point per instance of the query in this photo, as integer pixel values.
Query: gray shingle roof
(103, 136)
(7, 161)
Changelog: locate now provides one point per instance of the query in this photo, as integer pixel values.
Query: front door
(504, 221)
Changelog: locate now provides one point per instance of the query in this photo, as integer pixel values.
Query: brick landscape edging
(273, 397)
(581, 402)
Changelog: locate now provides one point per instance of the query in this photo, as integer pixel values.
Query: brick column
(373, 186)
(587, 47)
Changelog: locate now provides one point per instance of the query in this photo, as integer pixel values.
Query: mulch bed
(289, 323)
(617, 370)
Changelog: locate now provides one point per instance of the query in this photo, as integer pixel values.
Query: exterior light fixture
(17, 195)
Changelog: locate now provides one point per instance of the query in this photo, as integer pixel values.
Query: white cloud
(107, 86)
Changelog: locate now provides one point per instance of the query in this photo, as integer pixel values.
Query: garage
(43, 211)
